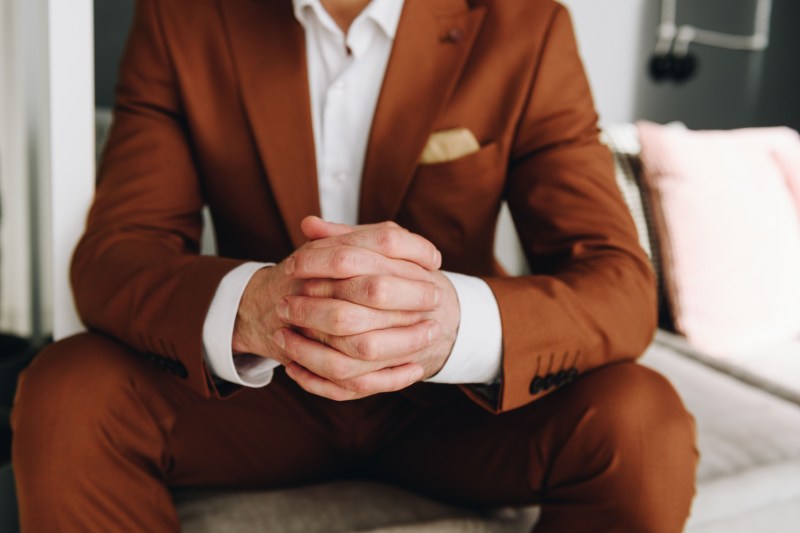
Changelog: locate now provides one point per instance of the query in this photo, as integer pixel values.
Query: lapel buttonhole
(453, 36)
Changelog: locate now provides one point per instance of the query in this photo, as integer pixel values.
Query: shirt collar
(385, 13)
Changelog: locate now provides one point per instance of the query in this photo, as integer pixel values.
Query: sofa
(748, 479)
(748, 436)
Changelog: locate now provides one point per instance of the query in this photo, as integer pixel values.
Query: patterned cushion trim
(623, 141)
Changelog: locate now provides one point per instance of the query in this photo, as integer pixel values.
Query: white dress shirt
(345, 75)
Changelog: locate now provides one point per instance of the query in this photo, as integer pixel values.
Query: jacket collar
(385, 13)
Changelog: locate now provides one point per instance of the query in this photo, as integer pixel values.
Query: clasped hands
(356, 311)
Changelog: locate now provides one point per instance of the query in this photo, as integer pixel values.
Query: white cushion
(749, 442)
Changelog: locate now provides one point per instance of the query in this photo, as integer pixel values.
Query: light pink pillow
(729, 230)
(785, 147)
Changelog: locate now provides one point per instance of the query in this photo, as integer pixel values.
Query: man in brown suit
(226, 104)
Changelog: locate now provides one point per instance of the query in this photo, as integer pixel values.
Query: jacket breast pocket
(455, 203)
(484, 159)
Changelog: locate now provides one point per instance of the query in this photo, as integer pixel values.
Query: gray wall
(732, 88)
(780, 92)
(111, 21)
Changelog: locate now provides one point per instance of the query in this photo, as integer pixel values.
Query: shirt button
(340, 177)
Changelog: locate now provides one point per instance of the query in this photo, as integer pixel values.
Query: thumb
(314, 228)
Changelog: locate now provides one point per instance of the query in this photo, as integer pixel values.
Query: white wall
(612, 41)
(71, 145)
(732, 89)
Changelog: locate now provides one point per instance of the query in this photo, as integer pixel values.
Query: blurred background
(59, 60)
(731, 89)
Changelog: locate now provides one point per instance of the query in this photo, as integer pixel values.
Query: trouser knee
(72, 395)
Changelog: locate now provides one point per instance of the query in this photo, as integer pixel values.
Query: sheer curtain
(46, 158)
(17, 73)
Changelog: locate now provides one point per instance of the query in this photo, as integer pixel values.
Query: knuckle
(338, 371)
(340, 395)
(342, 261)
(360, 386)
(406, 381)
(427, 296)
(366, 348)
(309, 287)
(351, 289)
(319, 336)
(420, 339)
(290, 345)
(388, 240)
(395, 384)
(305, 385)
(301, 262)
(297, 311)
(432, 334)
(377, 290)
(342, 320)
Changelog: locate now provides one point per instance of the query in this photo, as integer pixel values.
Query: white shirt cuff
(477, 355)
(246, 370)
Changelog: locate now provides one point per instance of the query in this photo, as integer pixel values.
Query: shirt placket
(339, 135)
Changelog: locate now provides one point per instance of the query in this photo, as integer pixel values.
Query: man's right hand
(379, 260)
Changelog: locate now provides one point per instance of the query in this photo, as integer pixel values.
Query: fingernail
(437, 257)
(433, 330)
(289, 266)
(282, 309)
(280, 338)
(437, 296)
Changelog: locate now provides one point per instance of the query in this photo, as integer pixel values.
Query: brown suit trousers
(101, 434)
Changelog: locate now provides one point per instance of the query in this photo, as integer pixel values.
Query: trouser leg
(100, 434)
(613, 451)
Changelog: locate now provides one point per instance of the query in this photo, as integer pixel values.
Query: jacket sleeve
(137, 274)
(591, 298)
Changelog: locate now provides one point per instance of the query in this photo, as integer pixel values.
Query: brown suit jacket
(213, 108)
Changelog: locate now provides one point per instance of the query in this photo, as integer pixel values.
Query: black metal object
(671, 67)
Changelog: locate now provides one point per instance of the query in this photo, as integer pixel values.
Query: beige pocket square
(448, 145)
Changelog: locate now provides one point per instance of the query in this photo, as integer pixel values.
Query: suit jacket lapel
(268, 46)
(434, 38)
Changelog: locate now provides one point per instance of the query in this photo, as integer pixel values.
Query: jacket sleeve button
(181, 371)
(537, 385)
